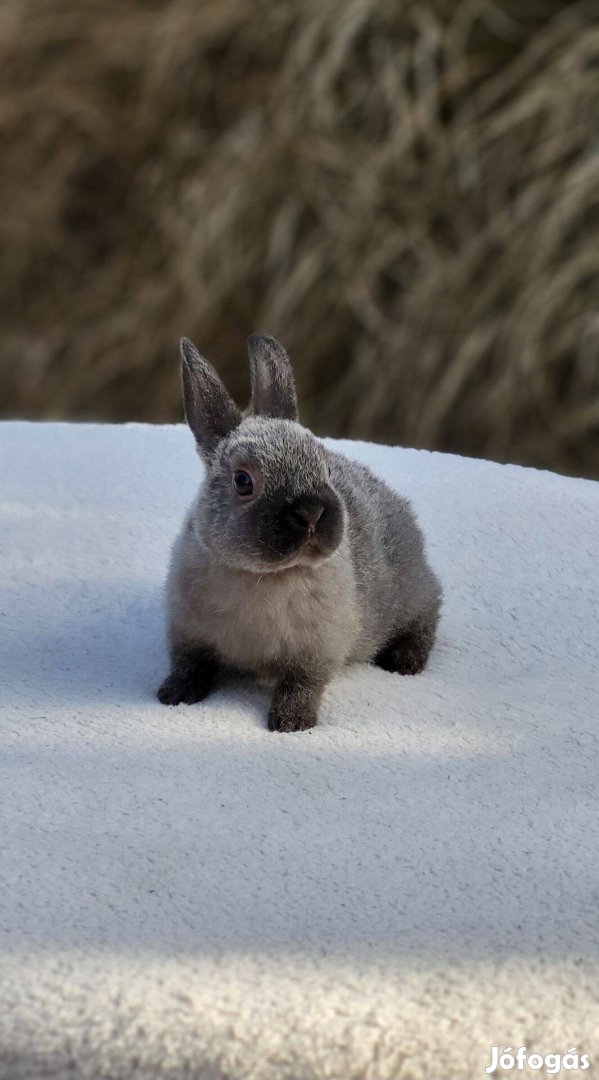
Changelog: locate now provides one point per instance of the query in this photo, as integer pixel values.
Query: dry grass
(405, 191)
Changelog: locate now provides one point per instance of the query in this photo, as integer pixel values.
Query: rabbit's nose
(307, 514)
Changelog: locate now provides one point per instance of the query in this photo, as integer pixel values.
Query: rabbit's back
(395, 583)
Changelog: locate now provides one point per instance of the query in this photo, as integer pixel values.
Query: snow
(185, 894)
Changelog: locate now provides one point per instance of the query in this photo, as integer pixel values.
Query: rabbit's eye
(242, 482)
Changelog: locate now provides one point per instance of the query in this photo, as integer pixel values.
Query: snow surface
(185, 894)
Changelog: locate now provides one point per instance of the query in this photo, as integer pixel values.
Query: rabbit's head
(267, 502)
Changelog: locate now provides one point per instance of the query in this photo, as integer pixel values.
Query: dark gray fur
(209, 410)
(324, 565)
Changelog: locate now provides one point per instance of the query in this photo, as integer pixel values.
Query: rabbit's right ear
(271, 377)
(209, 410)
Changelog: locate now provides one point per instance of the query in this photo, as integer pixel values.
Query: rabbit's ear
(209, 410)
(273, 385)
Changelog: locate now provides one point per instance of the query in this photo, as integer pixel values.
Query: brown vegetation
(405, 191)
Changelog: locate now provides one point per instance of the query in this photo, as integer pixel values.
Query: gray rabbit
(293, 560)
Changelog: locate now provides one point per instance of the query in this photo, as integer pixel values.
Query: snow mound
(185, 894)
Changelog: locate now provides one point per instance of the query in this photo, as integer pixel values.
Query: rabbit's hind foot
(407, 652)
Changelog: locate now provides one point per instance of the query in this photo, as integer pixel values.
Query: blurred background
(405, 192)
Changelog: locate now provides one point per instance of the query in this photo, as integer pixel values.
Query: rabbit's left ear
(271, 376)
(209, 410)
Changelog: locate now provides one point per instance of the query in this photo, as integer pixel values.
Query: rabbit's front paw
(291, 719)
(295, 703)
(179, 690)
(191, 679)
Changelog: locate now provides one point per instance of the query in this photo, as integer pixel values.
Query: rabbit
(293, 561)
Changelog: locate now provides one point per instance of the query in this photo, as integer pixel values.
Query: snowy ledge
(184, 894)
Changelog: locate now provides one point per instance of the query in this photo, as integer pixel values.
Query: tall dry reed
(405, 191)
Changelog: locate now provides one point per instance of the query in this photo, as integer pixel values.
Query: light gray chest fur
(254, 621)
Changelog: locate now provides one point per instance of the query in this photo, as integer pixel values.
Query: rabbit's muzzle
(306, 513)
(314, 523)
